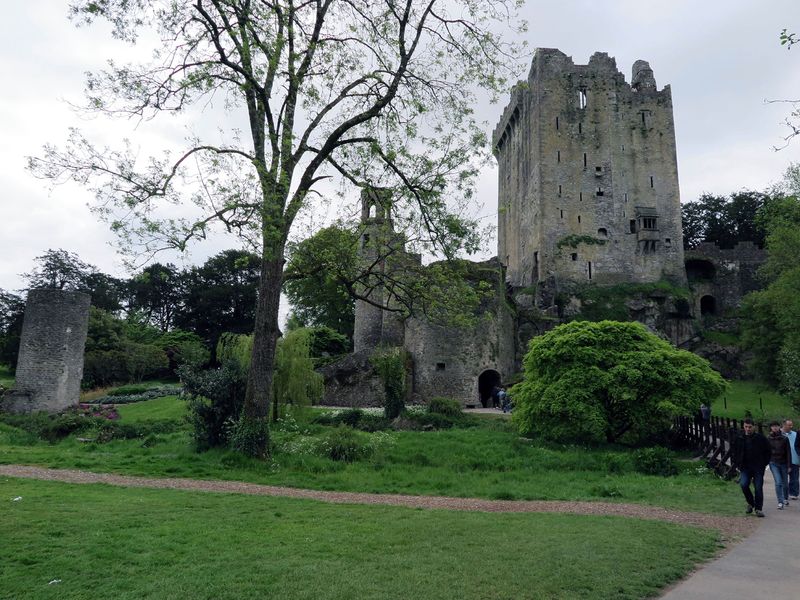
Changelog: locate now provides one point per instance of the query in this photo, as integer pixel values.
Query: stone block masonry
(588, 178)
(50, 363)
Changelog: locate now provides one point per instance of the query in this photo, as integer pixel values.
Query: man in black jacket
(750, 454)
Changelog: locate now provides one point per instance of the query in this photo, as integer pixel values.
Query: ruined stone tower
(50, 364)
(374, 326)
(588, 178)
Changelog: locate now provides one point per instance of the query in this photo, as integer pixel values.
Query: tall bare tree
(367, 92)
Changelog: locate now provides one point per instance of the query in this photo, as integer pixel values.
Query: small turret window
(582, 98)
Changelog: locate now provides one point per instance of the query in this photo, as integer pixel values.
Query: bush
(214, 400)
(445, 406)
(344, 444)
(79, 420)
(608, 382)
(350, 417)
(655, 461)
(129, 390)
(127, 398)
(390, 363)
(250, 436)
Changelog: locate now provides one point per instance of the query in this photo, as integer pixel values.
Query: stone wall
(50, 362)
(588, 180)
(723, 276)
(449, 361)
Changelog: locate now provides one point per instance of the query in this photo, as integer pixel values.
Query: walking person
(779, 461)
(751, 454)
(794, 468)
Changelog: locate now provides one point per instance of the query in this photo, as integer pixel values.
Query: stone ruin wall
(448, 361)
(735, 274)
(583, 153)
(50, 362)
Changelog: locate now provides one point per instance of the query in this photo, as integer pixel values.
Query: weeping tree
(364, 93)
(296, 383)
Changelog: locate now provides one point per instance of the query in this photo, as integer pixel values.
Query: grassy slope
(743, 396)
(489, 461)
(107, 542)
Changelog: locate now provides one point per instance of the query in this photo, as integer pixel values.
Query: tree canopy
(724, 220)
(608, 381)
(315, 285)
(771, 317)
(369, 93)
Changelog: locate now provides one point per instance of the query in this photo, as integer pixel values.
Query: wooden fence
(713, 440)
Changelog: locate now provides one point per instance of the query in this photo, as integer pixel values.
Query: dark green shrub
(390, 363)
(445, 406)
(371, 423)
(130, 390)
(350, 417)
(214, 400)
(50, 428)
(327, 343)
(344, 444)
(250, 436)
(655, 461)
(148, 394)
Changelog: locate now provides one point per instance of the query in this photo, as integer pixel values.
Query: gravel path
(730, 527)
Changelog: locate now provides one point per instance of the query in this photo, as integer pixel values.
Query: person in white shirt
(794, 468)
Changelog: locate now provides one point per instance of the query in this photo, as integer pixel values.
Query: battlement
(743, 252)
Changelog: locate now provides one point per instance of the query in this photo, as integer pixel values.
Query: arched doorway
(486, 383)
(698, 269)
(708, 305)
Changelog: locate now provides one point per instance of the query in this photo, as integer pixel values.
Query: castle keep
(588, 196)
(588, 178)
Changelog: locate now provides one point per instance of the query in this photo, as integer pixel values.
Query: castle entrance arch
(708, 305)
(486, 383)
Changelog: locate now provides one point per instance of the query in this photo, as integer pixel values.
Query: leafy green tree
(157, 293)
(724, 220)
(220, 296)
(608, 381)
(318, 293)
(62, 270)
(771, 317)
(296, 383)
(58, 269)
(372, 93)
(12, 314)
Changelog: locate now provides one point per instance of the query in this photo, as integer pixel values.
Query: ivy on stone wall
(573, 241)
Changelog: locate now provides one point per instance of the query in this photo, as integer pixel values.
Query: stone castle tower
(373, 326)
(588, 178)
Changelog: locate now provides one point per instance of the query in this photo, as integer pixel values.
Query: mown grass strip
(100, 541)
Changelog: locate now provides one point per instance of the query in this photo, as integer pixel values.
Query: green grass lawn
(167, 407)
(488, 461)
(6, 376)
(743, 396)
(96, 541)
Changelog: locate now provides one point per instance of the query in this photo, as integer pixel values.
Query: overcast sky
(722, 58)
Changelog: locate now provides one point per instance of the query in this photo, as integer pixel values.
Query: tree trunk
(265, 337)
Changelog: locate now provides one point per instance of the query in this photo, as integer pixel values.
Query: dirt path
(730, 527)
